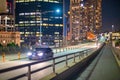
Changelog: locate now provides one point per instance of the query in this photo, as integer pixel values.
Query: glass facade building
(37, 20)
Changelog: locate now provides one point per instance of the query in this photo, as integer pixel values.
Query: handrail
(37, 62)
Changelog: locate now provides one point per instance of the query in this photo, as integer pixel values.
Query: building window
(46, 0)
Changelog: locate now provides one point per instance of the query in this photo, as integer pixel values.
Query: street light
(112, 28)
(57, 11)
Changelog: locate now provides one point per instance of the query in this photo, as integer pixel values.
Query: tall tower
(85, 16)
(75, 18)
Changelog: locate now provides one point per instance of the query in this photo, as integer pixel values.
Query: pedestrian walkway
(107, 67)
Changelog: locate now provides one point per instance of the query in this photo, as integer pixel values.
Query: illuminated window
(27, 13)
(55, 1)
(56, 17)
(21, 22)
(21, 32)
(32, 0)
(26, 35)
(32, 16)
(32, 24)
(50, 24)
(32, 21)
(61, 24)
(27, 24)
(21, 14)
(20, 0)
(45, 19)
(27, 32)
(33, 13)
(46, 0)
(45, 24)
(56, 24)
(39, 0)
(27, 0)
(51, 0)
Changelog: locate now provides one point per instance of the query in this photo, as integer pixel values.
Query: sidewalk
(116, 52)
(107, 67)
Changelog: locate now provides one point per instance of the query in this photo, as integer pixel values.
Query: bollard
(53, 65)
(3, 57)
(18, 55)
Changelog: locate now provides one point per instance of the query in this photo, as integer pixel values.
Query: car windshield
(42, 49)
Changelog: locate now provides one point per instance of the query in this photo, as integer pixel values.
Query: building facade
(9, 37)
(85, 16)
(37, 20)
(8, 33)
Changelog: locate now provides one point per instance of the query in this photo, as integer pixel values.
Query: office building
(38, 21)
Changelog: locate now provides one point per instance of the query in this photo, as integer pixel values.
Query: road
(39, 74)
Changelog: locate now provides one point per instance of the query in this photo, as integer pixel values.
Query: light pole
(112, 34)
(112, 28)
(40, 33)
(0, 20)
(6, 18)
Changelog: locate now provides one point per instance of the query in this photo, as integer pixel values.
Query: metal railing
(29, 65)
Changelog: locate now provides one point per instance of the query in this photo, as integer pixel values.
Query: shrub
(117, 42)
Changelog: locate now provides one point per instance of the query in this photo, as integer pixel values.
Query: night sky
(110, 15)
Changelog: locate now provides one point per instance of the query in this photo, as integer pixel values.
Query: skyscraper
(37, 20)
(85, 16)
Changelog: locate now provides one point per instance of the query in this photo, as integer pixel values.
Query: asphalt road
(37, 75)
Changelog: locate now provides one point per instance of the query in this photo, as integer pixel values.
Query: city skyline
(110, 14)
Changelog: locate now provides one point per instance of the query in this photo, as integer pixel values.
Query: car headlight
(29, 53)
(40, 54)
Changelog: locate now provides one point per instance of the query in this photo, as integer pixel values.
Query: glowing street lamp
(57, 10)
(112, 28)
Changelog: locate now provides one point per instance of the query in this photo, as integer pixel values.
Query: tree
(11, 44)
(1, 45)
(117, 42)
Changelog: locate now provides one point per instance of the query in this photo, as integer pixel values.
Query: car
(40, 54)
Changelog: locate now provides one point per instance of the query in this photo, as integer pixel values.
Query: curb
(116, 58)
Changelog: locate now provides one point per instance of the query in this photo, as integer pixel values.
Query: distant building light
(4, 41)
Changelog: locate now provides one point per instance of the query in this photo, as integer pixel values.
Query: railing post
(66, 61)
(56, 50)
(53, 65)
(74, 58)
(3, 57)
(18, 55)
(29, 72)
(79, 55)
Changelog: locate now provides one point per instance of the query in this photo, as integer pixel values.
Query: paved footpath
(107, 67)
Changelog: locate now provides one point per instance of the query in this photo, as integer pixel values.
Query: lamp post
(6, 23)
(112, 28)
(0, 20)
(112, 34)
